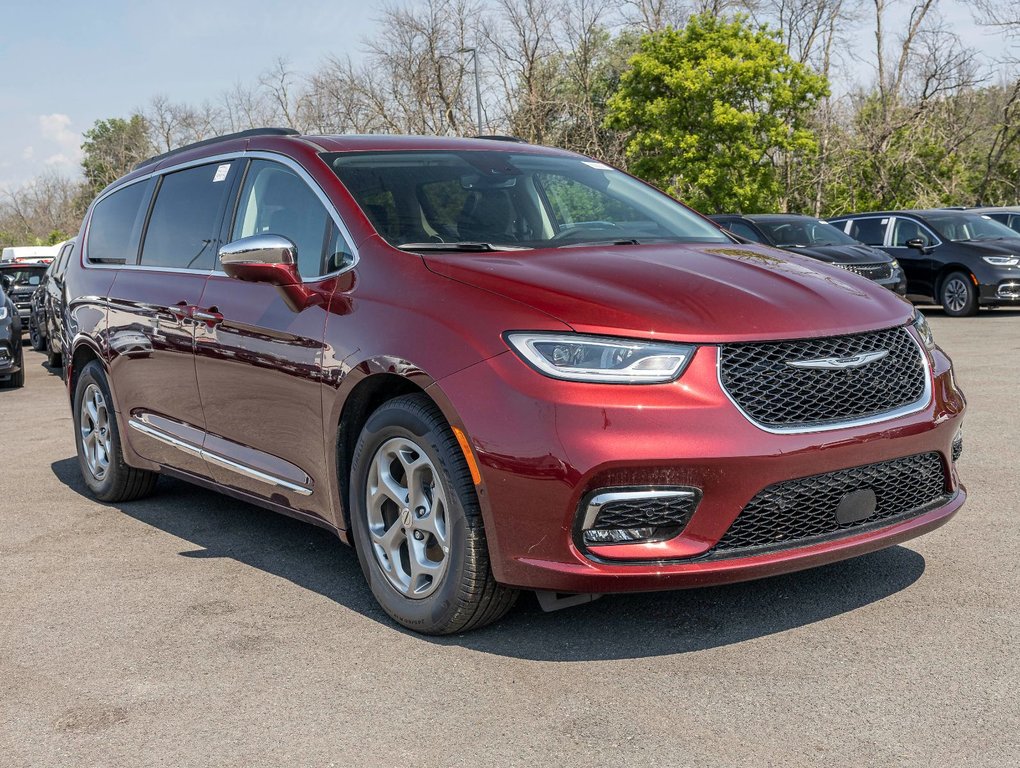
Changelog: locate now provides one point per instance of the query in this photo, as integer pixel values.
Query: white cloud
(56, 128)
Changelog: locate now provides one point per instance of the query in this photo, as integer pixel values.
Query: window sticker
(221, 172)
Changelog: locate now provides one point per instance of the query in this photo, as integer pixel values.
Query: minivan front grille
(786, 514)
(791, 385)
(879, 271)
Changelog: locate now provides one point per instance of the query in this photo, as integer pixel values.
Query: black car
(12, 360)
(819, 240)
(20, 281)
(45, 324)
(957, 258)
(1010, 216)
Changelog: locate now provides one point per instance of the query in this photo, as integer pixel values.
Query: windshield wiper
(466, 247)
(588, 243)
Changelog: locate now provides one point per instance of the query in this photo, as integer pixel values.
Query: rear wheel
(35, 336)
(17, 380)
(99, 453)
(958, 295)
(53, 359)
(417, 525)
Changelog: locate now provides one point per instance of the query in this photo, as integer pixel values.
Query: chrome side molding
(217, 459)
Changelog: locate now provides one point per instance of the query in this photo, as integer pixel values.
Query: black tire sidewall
(93, 374)
(970, 307)
(35, 337)
(430, 614)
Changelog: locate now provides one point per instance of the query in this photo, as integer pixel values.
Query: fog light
(617, 535)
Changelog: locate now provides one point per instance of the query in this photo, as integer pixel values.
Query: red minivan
(491, 367)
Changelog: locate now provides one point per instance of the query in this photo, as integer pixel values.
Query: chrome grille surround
(779, 398)
(879, 271)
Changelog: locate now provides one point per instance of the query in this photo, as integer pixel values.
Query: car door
(150, 327)
(51, 298)
(918, 263)
(259, 357)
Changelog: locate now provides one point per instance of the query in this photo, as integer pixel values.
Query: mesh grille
(775, 394)
(646, 513)
(881, 271)
(786, 513)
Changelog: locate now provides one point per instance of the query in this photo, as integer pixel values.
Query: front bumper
(1005, 293)
(544, 445)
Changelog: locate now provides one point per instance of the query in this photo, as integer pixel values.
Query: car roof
(919, 213)
(996, 209)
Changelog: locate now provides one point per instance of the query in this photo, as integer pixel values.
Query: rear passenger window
(185, 217)
(868, 231)
(115, 225)
(276, 201)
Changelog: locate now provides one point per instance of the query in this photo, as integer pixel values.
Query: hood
(1007, 246)
(843, 254)
(699, 293)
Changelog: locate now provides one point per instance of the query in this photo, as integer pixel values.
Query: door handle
(208, 316)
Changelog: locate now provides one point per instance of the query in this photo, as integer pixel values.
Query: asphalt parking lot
(190, 630)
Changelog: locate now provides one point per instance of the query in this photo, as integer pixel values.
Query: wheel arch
(946, 270)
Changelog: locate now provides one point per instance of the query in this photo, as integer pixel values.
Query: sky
(66, 63)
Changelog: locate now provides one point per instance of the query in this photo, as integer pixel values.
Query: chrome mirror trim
(259, 249)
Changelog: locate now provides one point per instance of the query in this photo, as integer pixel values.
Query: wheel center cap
(405, 517)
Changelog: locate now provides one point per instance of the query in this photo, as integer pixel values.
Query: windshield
(510, 200)
(23, 275)
(803, 231)
(959, 226)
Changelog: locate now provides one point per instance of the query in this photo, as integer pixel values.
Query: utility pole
(478, 85)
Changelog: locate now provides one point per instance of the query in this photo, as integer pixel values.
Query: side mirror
(917, 243)
(268, 259)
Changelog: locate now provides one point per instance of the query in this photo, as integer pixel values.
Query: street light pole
(478, 85)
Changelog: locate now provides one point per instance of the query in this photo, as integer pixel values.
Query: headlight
(894, 264)
(603, 359)
(3, 312)
(1002, 261)
(924, 331)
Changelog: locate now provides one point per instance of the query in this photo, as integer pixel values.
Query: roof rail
(497, 137)
(216, 139)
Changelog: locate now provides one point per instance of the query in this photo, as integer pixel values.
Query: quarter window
(276, 201)
(868, 231)
(183, 225)
(115, 225)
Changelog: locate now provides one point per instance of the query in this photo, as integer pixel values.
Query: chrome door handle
(211, 316)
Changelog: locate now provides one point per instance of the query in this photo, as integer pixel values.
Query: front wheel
(959, 295)
(99, 453)
(417, 525)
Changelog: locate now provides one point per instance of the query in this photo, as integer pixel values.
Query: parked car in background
(1008, 215)
(20, 281)
(956, 258)
(12, 357)
(493, 366)
(46, 320)
(819, 240)
(29, 254)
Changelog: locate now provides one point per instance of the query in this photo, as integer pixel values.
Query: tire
(448, 587)
(958, 295)
(17, 380)
(113, 481)
(53, 359)
(35, 337)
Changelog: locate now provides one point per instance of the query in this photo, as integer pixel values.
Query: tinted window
(182, 228)
(869, 231)
(740, 228)
(115, 224)
(277, 201)
(60, 263)
(905, 229)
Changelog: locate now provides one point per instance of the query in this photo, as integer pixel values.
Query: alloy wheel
(956, 294)
(94, 425)
(407, 518)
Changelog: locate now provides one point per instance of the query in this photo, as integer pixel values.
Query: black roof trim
(251, 132)
(498, 137)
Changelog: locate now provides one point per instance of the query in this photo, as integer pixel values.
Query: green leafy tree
(717, 114)
(112, 148)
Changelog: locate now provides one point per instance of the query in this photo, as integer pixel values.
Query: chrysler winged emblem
(838, 363)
